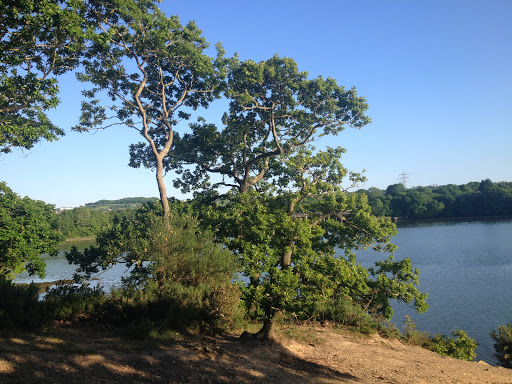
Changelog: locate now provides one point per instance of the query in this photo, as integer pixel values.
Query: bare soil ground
(88, 354)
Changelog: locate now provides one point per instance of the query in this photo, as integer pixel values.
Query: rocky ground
(86, 354)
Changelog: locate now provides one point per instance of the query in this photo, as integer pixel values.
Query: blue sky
(436, 74)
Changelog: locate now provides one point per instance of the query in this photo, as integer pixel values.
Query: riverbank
(79, 239)
(399, 220)
(91, 354)
(79, 242)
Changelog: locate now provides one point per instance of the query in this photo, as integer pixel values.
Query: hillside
(92, 355)
(124, 203)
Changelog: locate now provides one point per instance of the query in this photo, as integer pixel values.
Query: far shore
(455, 218)
(79, 239)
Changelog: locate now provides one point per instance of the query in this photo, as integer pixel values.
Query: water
(466, 267)
(58, 268)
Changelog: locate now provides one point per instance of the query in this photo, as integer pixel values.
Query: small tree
(503, 345)
(297, 252)
(25, 234)
(153, 70)
(39, 40)
(460, 346)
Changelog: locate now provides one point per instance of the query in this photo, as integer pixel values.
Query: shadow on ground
(87, 355)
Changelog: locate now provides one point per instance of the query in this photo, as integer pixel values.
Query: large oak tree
(285, 210)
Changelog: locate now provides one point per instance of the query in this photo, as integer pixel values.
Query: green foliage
(260, 230)
(398, 280)
(82, 222)
(414, 336)
(503, 345)
(473, 199)
(91, 219)
(180, 279)
(25, 234)
(70, 303)
(205, 308)
(460, 346)
(153, 72)
(345, 312)
(275, 111)
(40, 40)
(126, 202)
(20, 307)
(287, 214)
(389, 330)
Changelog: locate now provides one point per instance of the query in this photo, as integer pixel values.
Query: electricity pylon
(403, 178)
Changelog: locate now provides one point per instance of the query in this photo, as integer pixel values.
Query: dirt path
(88, 355)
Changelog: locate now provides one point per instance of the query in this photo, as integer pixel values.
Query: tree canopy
(153, 69)
(445, 201)
(39, 40)
(25, 234)
(274, 111)
(281, 205)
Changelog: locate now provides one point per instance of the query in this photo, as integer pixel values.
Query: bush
(20, 307)
(503, 345)
(189, 281)
(189, 309)
(347, 313)
(341, 311)
(69, 302)
(389, 331)
(414, 336)
(181, 279)
(461, 346)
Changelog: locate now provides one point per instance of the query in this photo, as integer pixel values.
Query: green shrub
(154, 308)
(181, 279)
(461, 346)
(69, 302)
(389, 331)
(503, 345)
(347, 313)
(20, 307)
(414, 336)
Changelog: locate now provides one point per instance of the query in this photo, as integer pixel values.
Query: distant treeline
(90, 219)
(474, 199)
(127, 202)
(83, 222)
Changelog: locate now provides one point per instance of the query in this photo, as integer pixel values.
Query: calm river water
(58, 268)
(466, 267)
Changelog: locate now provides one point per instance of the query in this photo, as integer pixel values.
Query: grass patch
(302, 334)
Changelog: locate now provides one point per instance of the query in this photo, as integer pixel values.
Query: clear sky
(437, 75)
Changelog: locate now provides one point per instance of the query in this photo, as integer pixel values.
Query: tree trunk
(161, 186)
(244, 187)
(286, 260)
(262, 335)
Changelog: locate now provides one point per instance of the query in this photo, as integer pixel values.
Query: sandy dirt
(87, 354)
